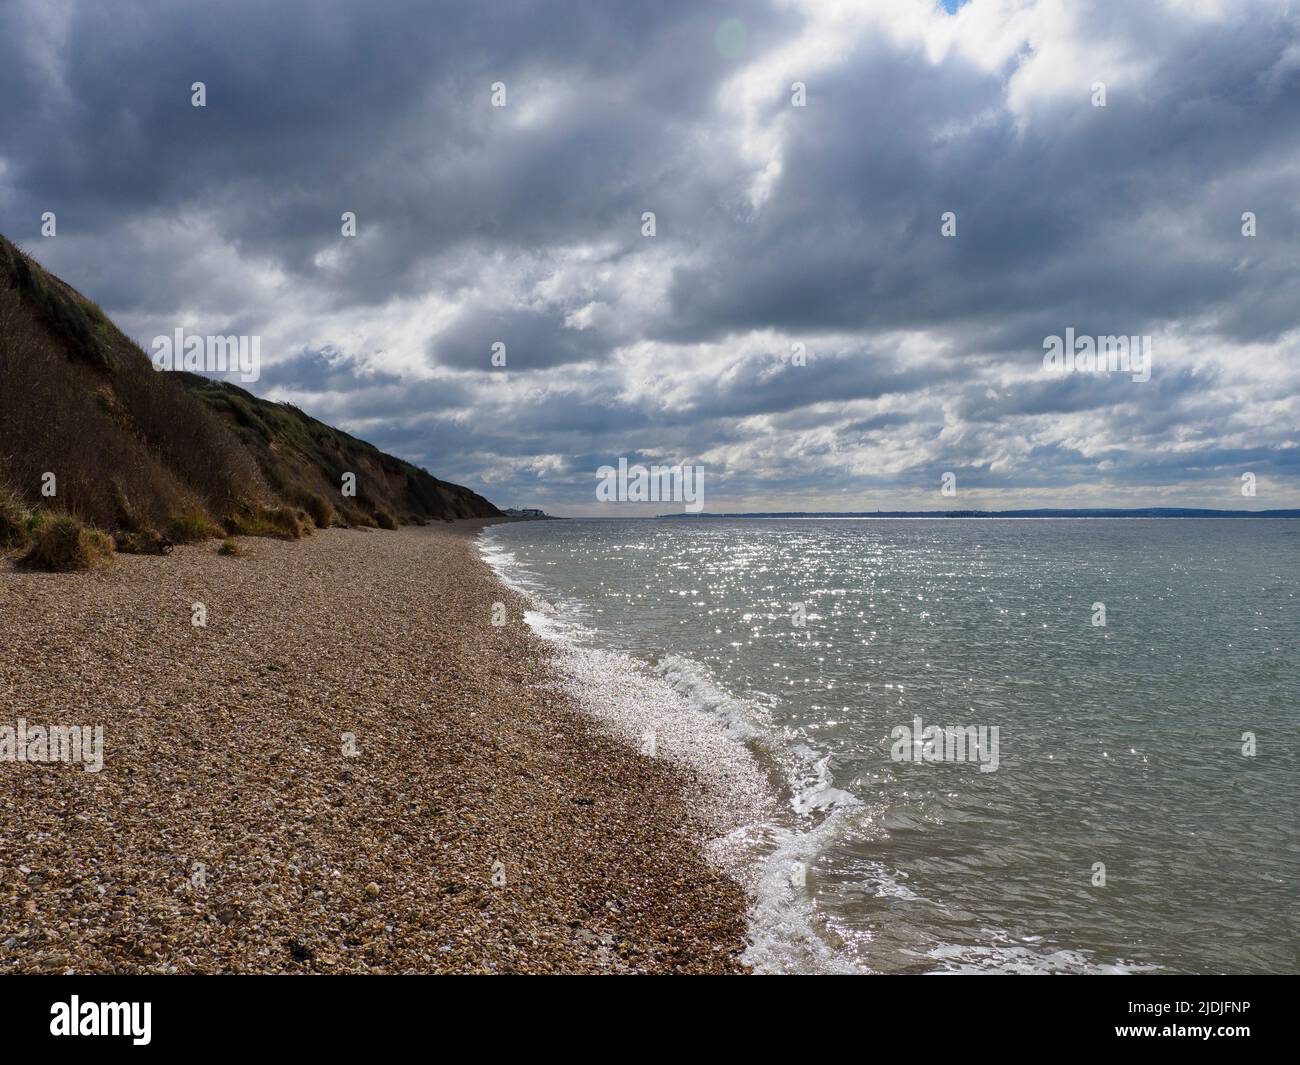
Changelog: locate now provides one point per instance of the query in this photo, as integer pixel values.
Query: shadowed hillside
(170, 454)
(299, 456)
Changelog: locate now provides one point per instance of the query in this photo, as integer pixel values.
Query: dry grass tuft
(63, 545)
(190, 528)
(15, 519)
(282, 523)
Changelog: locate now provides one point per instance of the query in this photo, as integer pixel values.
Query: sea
(960, 745)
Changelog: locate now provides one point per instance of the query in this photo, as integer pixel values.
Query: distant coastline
(1144, 512)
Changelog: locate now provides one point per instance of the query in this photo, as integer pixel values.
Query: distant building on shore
(524, 512)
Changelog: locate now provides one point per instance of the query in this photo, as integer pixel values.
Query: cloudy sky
(775, 226)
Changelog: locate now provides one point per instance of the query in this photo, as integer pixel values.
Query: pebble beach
(346, 769)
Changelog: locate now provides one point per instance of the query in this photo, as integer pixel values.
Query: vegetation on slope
(89, 429)
(304, 461)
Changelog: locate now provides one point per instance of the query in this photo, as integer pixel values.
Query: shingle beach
(347, 769)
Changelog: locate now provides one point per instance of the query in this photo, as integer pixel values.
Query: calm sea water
(1118, 745)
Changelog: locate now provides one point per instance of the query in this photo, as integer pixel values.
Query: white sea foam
(741, 719)
(1013, 958)
(788, 653)
(713, 735)
(770, 845)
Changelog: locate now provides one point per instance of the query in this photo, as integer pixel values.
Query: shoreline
(486, 822)
(744, 784)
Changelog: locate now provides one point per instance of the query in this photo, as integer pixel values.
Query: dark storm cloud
(1069, 221)
(533, 340)
(770, 385)
(522, 224)
(879, 423)
(1072, 393)
(316, 108)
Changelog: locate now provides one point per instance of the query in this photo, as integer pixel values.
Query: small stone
(299, 952)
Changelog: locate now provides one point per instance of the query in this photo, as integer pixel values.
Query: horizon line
(1028, 512)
